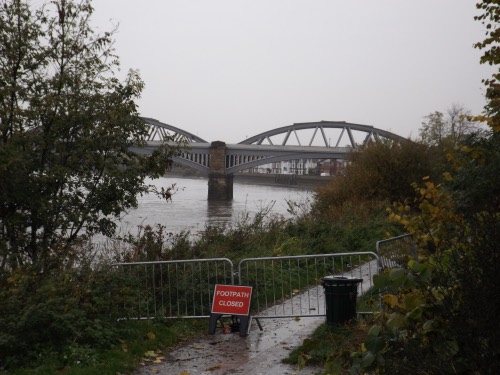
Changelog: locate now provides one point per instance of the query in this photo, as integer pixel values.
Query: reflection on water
(219, 212)
(190, 209)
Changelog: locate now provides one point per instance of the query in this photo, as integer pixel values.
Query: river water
(190, 210)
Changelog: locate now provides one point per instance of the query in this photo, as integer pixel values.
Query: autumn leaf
(391, 300)
(214, 367)
(150, 353)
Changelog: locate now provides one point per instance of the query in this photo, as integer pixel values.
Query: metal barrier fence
(282, 286)
(396, 251)
(173, 289)
(290, 286)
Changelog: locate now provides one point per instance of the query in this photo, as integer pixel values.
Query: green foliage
(67, 125)
(439, 314)
(477, 160)
(137, 343)
(331, 346)
(383, 172)
(70, 310)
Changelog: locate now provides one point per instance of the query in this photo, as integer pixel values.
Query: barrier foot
(212, 324)
(244, 325)
(258, 323)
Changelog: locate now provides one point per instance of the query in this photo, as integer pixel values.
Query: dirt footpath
(258, 353)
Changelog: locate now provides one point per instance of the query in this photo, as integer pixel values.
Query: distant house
(333, 167)
(324, 167)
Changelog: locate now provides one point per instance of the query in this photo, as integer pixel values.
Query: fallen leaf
(184, 373)
(215, 367)
(150, 353)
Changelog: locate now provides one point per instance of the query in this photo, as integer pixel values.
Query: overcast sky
(229, 69)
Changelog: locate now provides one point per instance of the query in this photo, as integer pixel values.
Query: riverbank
(288, 180)
(269, 179)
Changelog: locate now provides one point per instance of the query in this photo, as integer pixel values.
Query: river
(190, 210)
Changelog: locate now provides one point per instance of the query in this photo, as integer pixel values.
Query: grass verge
(141, 343)
(331, 346)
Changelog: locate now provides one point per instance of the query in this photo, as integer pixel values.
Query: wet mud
(258, 353)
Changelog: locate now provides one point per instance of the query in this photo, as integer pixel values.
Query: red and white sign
(232, 299)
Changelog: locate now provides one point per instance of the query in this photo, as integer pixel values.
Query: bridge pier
(220, 184)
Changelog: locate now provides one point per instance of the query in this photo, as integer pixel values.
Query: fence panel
(173, 289)
(290, 286)
(396, 251)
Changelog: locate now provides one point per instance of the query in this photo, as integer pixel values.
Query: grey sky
(229, 69)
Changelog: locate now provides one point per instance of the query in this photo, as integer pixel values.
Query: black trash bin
(340, 298)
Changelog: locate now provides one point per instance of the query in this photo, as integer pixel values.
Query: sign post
(231, 300)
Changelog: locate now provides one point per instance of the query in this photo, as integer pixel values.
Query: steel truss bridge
(311, 140)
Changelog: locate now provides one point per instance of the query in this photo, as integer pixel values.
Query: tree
(441, 130)
(66, 127)
(459, 123)
(434, 129)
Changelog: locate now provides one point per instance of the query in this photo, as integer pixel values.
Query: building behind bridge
(302, 167)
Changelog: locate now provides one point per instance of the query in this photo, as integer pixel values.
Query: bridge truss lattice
(322, 134)
(311, 140)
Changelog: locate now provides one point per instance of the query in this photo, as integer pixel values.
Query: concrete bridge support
(220, 184)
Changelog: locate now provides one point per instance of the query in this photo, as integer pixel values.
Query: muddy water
(190, 210)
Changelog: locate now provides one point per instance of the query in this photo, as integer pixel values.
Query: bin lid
(330, 280)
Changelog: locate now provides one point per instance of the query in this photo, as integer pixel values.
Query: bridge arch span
(321, 134)
(239, 157)
(159, 131)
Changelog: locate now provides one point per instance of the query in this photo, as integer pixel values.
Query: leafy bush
(439, 315)
(382, 172)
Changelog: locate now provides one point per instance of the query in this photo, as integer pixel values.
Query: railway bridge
(311, 140)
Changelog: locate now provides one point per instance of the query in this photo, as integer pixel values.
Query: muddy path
(258, 353)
